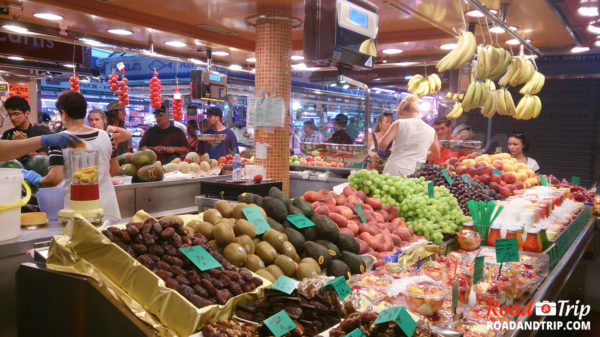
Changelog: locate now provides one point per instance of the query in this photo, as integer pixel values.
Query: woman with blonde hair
(97, 119)
(414, 140)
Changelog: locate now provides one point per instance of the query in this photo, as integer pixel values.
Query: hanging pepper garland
(155, 87)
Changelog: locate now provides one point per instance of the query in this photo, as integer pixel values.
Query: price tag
(575, 180)
(256, 218)
(543, 180)
(121, 66)
(447, 177)
(401, 317)
(454, 296)
(387, 315)
(285, 284)
(300, 221)
(280, 323)
(360, 213)
(430, 189)
(507, 250)
(478, 269)
(544, 239)
(340, 286)
(466, 178)
(498, 172)
(177, 95)
(355, 333)
(200, 257)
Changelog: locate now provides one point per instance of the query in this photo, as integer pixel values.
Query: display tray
(219, 188)
(336, 170)
(466, 145)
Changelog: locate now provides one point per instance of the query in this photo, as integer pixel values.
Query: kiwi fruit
(212, 216)
(256, 241)
(254, 263)
(289, 250)
(189, 230)
(237, 210)
(204, 228)
(173, 217)
(305, 270)
(266, 252)
(275, 271)
(275, 238)
(223, 234)
(265, 274)
(195, 225)
(244, 227)
(286, 264)
(235, 254)
(224, 208)
(313, 263)
(230, 222)
(246, 242)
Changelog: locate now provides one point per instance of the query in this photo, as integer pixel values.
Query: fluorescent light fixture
(251, 59)
(477, 14)
(408, 77)
(346, 86)
(296, 105)
(597, 43)
(91, 42)
(385, 90)
(594, 27)
(515, 42)
(299, 66)
(118, 31)
(85, 80)
(317, 91)
(333, 85)
(16, 28)
(48, 16)
(448, 46)
(589, 11)
(220, 53)
(403, 64)
(579, 49)
(297, 57)
(176, 44)
(16, 58)
(69, 65)
(196, 61)
(500, 30)
(235, 67)
(392, 51)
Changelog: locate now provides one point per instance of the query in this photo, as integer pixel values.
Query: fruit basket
(466, 145)
(349, 153)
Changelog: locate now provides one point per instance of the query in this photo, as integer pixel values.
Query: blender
(85, 192)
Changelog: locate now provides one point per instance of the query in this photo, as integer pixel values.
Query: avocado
(235, 254)
(305, 270)
(275, 224)
(244, 227)
(275, 271)
(266, 252)
(275, 192)
(294, 210)
(265, 274)
(327, 229)
(275, 238)
(212, 216)
(275, 208)
(310, 233)
(338, 268)
(245, 197)
(237, 210)
(224, 208)
(223, 234)
(354, 262)
(313, 263)
(254, 263)
(304, 206)
(257, 199)
(296, 238)
(334, 251)
(347, 242)
(289, 250)
(317, 252)
(246, 242)
(286, 264)
(287, 224)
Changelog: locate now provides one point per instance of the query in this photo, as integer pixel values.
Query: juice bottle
(513, 232)
(532, 242)
(469, 225)
(494, 234)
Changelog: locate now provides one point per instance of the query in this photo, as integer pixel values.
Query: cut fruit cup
(490, 291)
(523, 285)
(464, 284)
(424, 297)
(468, 240)
(436, 273)
(479, 314)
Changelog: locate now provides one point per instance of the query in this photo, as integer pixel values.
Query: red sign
(18, 90)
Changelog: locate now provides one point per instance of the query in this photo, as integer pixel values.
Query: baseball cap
(215, 111)
(114, 105)
(341, 120)
(162, 110)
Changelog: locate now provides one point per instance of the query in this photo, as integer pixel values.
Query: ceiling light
(590, 11)
(317, 91)
(346, 86)
(196, 61)
(220, 53)
(48, 16)
(69, 65)
(594, 27)
(251, 59)
(176, 44)
(500, 30)
(16, 58)
(91, 42)
(477, 14)
(333, 85)
(299, 66)
(404, 64)
(448, 46)
(597, 43)
(392, 51)
(297, 57)
(118, 31)
(16, 28)
(408, 77)
(515, 42)
(235, 67)
(579, 49)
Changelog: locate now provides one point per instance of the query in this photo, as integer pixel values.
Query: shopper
(383, 124)
(353, 129)
(166, 140)
(294, 143)
(12, 149)
(340, 136)
(97, 119)
(311, 135)
(518, 145)
(414, 140)
(192, 136)
(443, 130)
(18, 111)
(225, 144)
(115, 115)
(72, 107)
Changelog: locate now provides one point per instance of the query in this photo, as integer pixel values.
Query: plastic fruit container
(474, 329)
(424, 297)
(479, 314)
(468, 240)
(488, 291)
(464, 284)
(435, 271)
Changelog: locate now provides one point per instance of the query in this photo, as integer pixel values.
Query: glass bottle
(513, 232)
(494, 234)
(532, 242)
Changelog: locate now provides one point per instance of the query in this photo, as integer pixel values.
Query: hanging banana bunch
(422, 86)
(459, 56)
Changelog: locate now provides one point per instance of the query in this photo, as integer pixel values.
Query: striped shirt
(56, 157)
(316, 137)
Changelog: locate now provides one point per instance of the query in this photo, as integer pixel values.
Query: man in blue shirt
(221, 145)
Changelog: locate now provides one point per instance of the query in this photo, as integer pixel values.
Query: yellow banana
(449, 94)
(502, 109)
(510, 104)
(438, 82)
(467, 101)
(431, 84)
(538, 106)
(465, 48)
(457, 110)
(541, 79)
(413, 82)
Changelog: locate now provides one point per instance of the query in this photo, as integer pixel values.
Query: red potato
(361, 195)
(364, 228)
(403, 233)
(379, 239)
(387, 244)
(392, 212)
(385, 230)
(375, 203)
(390, 226)
(345, 211)
(329, 202)
(356, 219)
(322, 209)
(370, 240)
(354, 199)
(352, 207)
(364, 247)
(347, 231)
(311, 196)
(399, 222)
(353, 226)
(340, 199)
(396, 239)
(317, 204)
(379, 218)
(349, 190)
(339, 219)
(366, 207)
(383, 213)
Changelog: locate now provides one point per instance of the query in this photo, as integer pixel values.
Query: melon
(152, 172)
(143, 157)
(170, 167)
(125, 158)
(204, 166)
(193, 157)
(38, 164)
(213, 163)
(129, 170)
(205, 157)
(184, 167)
(176, 161)
(195, 168)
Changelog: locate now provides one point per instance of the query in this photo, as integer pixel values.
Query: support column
(273, 74)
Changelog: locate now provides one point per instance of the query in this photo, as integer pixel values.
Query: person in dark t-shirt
(17, 110)
(165, 139)
(226, 141)
(340, 136)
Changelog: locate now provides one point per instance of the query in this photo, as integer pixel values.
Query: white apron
(413, 139)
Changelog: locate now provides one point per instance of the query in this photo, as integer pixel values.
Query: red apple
(452, 160)
(519, 185)
(497, 165)
(460, 169)
(310, 158)
(451, 168)
(494, 185)
(345, 211)
(471, 171)
(508, 177)
(481, 163)
(505, 191)
(496, 178)
(485, 178)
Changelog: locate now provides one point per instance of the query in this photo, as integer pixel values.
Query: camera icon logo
(545, 308)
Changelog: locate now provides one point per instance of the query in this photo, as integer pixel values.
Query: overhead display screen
(359, 18)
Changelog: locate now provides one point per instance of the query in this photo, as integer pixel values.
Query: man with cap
(225, 143)
(115, 115)
(166, 140)
(340, 136)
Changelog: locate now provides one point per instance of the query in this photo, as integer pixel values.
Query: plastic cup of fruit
(522, 286)
(474, 329)
(464, 284)
(468, 240)
(479, 314)
(488, 291)
(435, 272)
(424, 297)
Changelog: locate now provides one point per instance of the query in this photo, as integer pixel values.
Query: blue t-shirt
(221, 147)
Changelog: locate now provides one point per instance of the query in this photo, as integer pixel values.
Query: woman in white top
(518, 144)
(414, 140)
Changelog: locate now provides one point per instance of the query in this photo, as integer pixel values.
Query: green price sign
(575, 180)
(355, 333)
(447, 177)
(200, 257)
(340, 286)
(507, 250)
(430, 189)
(300, 221)
(285, 284)
(478, 269)
(280, 323)
(256, 218)
(544, 239)
(543, 180)
(401, 317)
(454, 296)
(363, 219)
(466, 178)
(498, 172)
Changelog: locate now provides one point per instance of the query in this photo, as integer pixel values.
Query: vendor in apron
(72, 106)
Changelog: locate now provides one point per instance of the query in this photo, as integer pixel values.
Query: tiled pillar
(273, 75)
